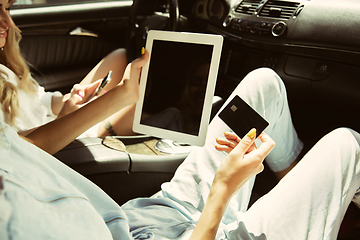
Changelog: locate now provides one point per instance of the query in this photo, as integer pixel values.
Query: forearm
(208, 224)
(57, 134)
(243, 162)
(27, 132)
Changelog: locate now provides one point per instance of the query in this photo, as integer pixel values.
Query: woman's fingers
(231, 141)
(227, 142)
(131, 78)
(133, 70)
(232, 136)
(267, 143)
(81, 94)
(141, 61)
(223, 148)
(242, 163)
(246, 146)
(89, 90)
(246, 142)
(265, 148)
(251, 162)
(257, 156)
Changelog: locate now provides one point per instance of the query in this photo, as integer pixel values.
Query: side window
(24, 3)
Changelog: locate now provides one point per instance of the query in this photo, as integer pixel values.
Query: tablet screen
(178, 99)
(177, 87)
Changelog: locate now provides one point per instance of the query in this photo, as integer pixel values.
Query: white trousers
(308, 203)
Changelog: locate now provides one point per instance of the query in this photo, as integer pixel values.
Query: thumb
(90, 90)
(133, 69)
(95, 85)
(140, 62)
(246, 142)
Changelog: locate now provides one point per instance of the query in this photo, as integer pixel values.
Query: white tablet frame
(208, 39)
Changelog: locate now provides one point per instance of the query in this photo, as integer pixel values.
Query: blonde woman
(25, 105)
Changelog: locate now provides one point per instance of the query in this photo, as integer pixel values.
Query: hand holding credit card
(241, 118)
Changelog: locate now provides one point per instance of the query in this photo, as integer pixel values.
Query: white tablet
(177, 86)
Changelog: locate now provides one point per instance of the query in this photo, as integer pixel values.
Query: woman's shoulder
(9, 75)
(6, 69)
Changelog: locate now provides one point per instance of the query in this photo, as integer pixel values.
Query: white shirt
(42, 198)
(35, 108)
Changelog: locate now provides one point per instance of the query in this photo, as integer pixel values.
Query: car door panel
(62, 60)
(63, 43)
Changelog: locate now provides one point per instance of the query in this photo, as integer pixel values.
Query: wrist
(131, 93)
(220, 193)
(214, 209)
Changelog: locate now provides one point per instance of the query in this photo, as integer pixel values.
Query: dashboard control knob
(255, 27)
(243, 25)
(279, 29)
(227, 21)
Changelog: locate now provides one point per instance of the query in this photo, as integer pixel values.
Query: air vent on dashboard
(279, 9)
(248, 6)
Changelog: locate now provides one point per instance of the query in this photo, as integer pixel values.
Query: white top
(35, 108)
(35, 185)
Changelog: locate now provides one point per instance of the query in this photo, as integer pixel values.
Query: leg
(121, 122)
(115, 61)
(264, 91)
(310, 202)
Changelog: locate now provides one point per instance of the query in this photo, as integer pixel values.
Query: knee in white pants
(356, 198)
(264, 80)
(344, 138)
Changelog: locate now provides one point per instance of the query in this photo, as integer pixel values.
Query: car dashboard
(330, 26)
(314, 46)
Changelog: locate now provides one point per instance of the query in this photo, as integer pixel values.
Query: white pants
(308, 203)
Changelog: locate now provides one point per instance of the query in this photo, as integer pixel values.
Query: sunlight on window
(56, 2)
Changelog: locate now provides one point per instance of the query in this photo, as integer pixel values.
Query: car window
(26, 3)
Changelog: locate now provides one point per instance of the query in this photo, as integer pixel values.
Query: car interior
(313, 45)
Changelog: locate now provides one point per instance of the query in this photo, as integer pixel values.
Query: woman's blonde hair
(11, 57)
